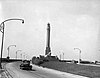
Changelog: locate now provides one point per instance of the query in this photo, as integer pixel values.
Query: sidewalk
(3, 72)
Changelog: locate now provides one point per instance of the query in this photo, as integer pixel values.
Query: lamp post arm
(10, 46)
(12, 19)
(78, 49)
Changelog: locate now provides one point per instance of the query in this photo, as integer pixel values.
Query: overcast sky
(74, 24)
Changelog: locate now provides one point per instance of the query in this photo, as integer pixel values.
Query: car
(25, 65)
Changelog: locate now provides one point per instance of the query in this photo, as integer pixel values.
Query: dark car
(26, 65)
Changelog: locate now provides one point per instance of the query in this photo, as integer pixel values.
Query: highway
(36, 72)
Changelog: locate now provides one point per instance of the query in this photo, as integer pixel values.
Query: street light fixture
(16, 53)
(2, 26)
(8, 50)
(79, 54)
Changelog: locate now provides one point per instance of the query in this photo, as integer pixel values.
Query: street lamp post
(79, 54)
(2, 26)
(16, 53)
(59, 55)
(21, 55)
(8, 49)
(63, 56)
(24, 55)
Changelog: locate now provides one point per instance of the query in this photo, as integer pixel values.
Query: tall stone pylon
(48, 50)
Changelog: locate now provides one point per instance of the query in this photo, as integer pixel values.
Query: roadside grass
(83, 70)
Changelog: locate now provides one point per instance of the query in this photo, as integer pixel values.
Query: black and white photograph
(49, 38)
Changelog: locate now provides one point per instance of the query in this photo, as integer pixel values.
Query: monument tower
(48, 50)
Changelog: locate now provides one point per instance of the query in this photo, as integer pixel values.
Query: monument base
(49, 58)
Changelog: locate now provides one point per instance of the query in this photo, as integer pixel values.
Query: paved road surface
(37, 72)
